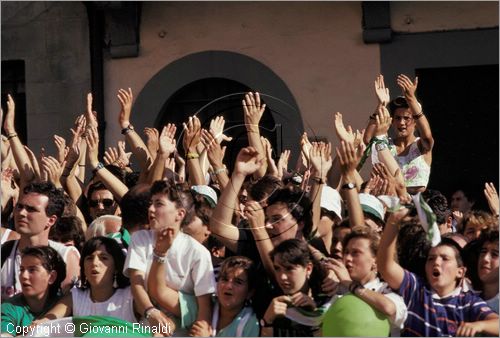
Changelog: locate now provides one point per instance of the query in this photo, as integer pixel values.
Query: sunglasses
(106, 202)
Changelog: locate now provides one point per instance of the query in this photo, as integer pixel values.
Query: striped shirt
(432, 316)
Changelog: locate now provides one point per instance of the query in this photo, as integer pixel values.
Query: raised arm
(247, 162)
(253, 110)
(321, 161)
(139, 149)
(424, 129)
(492, 197)
(349, 159)
(383, 98)
(215, 157)
(166, 147)
(192, 136)
(117, 188)
(387, 266)
(21, 158)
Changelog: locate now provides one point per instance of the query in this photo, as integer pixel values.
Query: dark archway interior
(209, 98)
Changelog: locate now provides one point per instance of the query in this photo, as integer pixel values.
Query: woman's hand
(381, 91)
(164, 239)
(492, 197)
(248, 161)
(125, 97)
(383, 121)
(302, 300)
(253, 109)
(152, 136)
(192, 134)
(409, 88)
(167, 139)
(200, 328)
(277, 308)
(8, 123)
(330, 282)
(283, 163)
(340, 271)
(159, 320)
(217, 129)
(255, 214)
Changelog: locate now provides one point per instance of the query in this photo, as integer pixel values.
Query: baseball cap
(372, 205)
(331, 201)
(207, 192)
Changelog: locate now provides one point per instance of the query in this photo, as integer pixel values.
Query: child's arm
(390, 270)
(277, 308)
(489, 327)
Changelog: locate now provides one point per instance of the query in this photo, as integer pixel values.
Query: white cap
(331, 201)
(207, 192)
(372, 205)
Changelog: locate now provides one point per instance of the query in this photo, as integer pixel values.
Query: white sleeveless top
(119, 305)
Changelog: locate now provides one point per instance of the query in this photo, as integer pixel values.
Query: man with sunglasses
(101, 201)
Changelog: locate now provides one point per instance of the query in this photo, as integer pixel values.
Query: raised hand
(53, 169)
(255, 215)
(167, 139)
(349, 157)
(283, 163)
(62, 150)
(247, 161)
(164, 238)
(125, 97)
(253, 109)
(390, 181)
(217, 129)
(381, 91)
(383, 121)
(200, 328)
(90, 115)
(214, 150)
(340, 270)
(321, 158)
(92, 140)
(408, 86)
(305, 148)
(152, 136)
(192, 134)
(492, 197)
(272, 168)
(8, 124)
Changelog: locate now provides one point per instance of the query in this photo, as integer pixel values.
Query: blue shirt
(432, 316)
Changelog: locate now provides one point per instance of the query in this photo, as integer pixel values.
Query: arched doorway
(225, 66)
(213, 97)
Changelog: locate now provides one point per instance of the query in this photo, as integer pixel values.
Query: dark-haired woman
(105, 290)
(41, 273)
(165, 257)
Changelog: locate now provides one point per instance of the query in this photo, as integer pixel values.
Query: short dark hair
(51, 261)
(264, 187)
(413, 247)
(397, 102)
(245, 263)
(292, 251)
(438, 203)
(471, 253)
(95, 187)
(179, 193)
(55, 205)
(298, 204)
(134, 206)
(67, 229)
(114, 249)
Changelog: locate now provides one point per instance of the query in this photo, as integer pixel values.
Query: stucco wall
(315, 48)
(52, 38)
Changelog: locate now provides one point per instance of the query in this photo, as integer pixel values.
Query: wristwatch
(263, 323)
(127, 129)
(349, 186)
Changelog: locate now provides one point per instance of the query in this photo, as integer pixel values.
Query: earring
(115, 283)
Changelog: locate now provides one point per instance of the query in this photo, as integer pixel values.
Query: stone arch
(222, 64)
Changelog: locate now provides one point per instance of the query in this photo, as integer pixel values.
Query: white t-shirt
(119, 305)
(10, 269)
(188, 267)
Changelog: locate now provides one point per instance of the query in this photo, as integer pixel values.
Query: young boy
(437, 305)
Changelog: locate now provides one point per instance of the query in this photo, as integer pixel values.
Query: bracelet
(159, 259)
(416, 117)
(318, 180)
(99, 167)
(219, 171)
(192, 156)
(12, 135)
(81, 165)
(147, 312)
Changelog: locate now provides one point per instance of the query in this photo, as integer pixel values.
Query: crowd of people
(261, 249)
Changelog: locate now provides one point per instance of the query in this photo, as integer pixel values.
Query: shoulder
(141, 238)
(190, 245)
